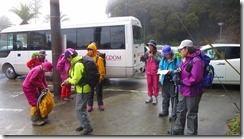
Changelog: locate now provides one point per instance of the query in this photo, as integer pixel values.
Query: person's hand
(65, 82)
(150, 55)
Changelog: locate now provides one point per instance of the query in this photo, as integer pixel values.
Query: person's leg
(179, 126)
(149, 88)
(63, 92)
(80, 108)
(90, 100)
(192, 104)
(99, 91)
(68, 92)
(165, 100)
(155, 88)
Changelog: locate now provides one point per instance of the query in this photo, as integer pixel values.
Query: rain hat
(42, 52)
(166, 50)
(152, 42)
(185, 43)
(48, 66)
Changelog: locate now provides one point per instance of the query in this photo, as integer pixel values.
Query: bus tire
(10, 72)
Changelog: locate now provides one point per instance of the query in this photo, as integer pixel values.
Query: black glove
(176, 79)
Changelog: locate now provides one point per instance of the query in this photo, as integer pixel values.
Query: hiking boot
(86, 131)
(45, 119)
(163, 113)
(154, 100)
(101, 108)
(172, 118)
(80, 128)
(149, 100)
(177, 132)
(38, 123)
(65, 99)
(89, 108)
(70, 97)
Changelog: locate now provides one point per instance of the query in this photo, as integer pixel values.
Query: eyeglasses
(181, 49)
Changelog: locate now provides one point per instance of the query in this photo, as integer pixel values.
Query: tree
(4, 22)
(171, 21)
(24, 12)
(35, 6)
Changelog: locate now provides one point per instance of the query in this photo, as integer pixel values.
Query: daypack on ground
(45, 103)
(91, 74)
(208, 71)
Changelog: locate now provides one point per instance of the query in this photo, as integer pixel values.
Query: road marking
(17, 94)
(14, 110)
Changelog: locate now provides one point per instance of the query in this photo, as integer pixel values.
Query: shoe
(80, 128)
(64, 99)
(177, 132)
(86, 131)
(89, 108)
(154, 100)
(149, 100)
(38, 123)
(172, 118)
(45, 119)
(161, 114)
(70, 97)
(101, 108)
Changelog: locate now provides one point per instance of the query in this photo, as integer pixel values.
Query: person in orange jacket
(93, 52)
(37, 60)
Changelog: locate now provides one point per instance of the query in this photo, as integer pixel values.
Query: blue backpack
(208, 71)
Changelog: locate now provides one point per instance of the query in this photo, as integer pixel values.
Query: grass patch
(234, 125)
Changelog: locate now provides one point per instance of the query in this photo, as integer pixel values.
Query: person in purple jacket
(32, 86)
(63, 66)
(190, 89)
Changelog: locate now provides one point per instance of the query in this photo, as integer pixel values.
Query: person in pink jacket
(152, 59)
(63, 66)
(32, 86)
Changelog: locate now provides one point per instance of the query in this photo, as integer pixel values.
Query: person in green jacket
(83, 92)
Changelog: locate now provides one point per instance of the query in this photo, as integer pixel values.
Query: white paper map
(163, 72)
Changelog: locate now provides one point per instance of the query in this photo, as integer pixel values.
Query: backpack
(91, 74)
(34, 54)
(102, 55)
(208, 71)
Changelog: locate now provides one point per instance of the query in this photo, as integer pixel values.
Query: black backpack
(91, 74)
(102, 55)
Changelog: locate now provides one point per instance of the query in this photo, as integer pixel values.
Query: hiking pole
(176, 79)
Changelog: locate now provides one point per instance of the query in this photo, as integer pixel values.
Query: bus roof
(85, 23)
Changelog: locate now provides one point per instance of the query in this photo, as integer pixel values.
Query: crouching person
(34, 83)
(83, 91)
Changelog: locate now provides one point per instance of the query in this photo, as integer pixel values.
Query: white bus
(119, 37)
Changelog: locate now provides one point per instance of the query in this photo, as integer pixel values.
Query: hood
(93, 47)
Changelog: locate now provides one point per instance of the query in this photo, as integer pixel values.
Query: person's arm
(101, 68)
(30, 63)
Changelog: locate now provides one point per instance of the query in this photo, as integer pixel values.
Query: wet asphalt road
(125, 111)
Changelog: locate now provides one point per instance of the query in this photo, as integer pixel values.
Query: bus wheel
(10, 72)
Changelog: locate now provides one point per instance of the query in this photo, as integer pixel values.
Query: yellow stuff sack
(46, 104)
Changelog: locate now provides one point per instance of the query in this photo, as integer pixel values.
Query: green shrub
(234, 125)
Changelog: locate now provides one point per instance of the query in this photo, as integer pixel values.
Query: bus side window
(21, 42)
(19, 45)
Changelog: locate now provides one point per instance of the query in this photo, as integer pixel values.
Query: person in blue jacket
(169, 62)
